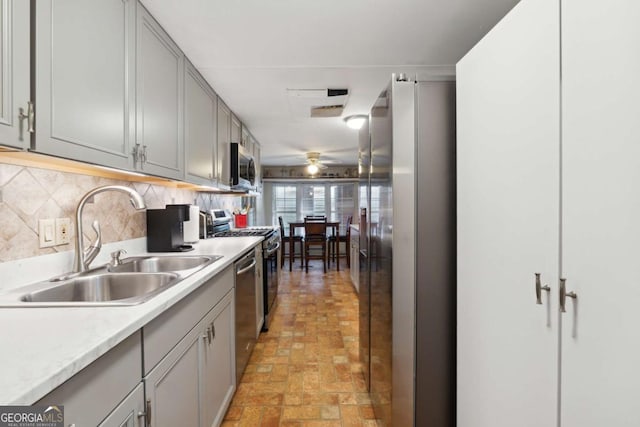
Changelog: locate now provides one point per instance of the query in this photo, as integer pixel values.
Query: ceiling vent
(306, 103)
(327, 111)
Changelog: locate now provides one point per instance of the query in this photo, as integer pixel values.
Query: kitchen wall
(29, 194)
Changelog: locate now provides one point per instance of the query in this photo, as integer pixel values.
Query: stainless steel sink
(124, 289)
(160, 264)
(135, 280)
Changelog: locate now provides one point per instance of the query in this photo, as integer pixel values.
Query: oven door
(270, 273)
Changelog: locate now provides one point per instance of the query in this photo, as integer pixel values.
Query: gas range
(244, 232)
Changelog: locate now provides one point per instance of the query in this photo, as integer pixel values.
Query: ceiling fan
(313, 162)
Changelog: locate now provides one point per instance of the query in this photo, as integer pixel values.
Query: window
(342, 203)
(313, 200)
(284, 203)
(295, 201)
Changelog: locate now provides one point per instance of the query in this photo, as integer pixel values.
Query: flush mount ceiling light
(356, 121)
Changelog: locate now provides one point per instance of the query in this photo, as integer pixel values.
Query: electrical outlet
(63, 231)
(47, 233)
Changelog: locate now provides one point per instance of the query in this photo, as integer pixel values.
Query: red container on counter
(241, 220)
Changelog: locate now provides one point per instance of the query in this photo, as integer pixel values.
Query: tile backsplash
(29, 194)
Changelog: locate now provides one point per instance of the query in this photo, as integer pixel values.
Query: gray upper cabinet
(14, 71)
(224, 139)
(236, 130)
(200, 111)
(84, 97)
(159, 144)
(258, 164)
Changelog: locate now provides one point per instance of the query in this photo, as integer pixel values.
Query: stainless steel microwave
(243, 169)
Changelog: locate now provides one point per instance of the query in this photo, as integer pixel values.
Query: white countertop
(43, 347)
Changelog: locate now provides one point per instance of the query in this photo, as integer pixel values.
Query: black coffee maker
(165, 229)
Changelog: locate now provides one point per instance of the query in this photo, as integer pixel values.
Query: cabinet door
(14, 71)
(245, 140)
(601, 212)
(172, 387)
(126, 414)
(258, 164)
(93, 393)
(508, 204)
(224, 140)
(159, 68)
(199, 127)
(218, 363)
(84, 96)
(236, 129)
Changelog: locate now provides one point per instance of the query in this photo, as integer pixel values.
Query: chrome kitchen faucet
(84, 257)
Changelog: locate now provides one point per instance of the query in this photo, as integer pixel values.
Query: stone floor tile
(305, 371)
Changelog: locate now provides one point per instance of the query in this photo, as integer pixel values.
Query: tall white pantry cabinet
(549, 183)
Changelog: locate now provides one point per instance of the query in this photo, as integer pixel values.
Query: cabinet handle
(209, 334)
(540, 288)
(146, 414)
(30, 116)
(564, 294)
(213, 330)
(135, 153)
(143, 156)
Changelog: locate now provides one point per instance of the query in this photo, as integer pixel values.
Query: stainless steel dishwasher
(245, 310)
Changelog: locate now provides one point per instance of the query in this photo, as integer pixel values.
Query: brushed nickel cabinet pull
(146, 414)
(29, 116)
(540, 288)
(564, 294)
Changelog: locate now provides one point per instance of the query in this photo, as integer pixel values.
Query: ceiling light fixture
(312, 169)
(356, 121)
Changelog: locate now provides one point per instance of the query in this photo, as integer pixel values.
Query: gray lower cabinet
(201, 368)
(172, 387)
(130, 413)
(202, 363)
(217, 374)
(159, 143)
(91, 396)
(187, 371)
(84, 56)
(14, 72)
(200, 111)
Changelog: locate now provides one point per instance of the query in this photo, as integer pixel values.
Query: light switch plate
(47, 233)
(63, 231)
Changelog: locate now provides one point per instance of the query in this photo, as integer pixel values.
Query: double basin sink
(133, 281)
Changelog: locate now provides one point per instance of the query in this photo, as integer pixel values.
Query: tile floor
(304, 371)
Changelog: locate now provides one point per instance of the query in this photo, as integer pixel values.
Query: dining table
(335, 225)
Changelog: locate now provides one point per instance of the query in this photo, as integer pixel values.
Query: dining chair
(285, 244)
(334, 243)
(315, 236)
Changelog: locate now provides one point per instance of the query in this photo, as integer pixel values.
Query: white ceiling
(252, 51)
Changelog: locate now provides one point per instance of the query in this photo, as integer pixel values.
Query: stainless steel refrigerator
(407, 253)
